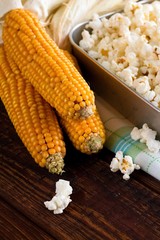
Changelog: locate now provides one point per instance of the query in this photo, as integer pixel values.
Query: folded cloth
(118, 130)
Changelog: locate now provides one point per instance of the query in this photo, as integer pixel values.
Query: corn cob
(32, 117)
(46, 66)
(87, 135)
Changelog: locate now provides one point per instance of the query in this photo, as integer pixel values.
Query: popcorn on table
(62, 198)
(147, 136)
(124, 164)
(136, 32)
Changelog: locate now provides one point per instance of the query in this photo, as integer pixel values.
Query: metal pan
(111, 88)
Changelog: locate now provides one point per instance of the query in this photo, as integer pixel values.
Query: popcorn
(143, 70)
(106, 64)
(155, 104)
(62, 198)
(95, 23)
(103, 46)
(93, 54)
(136, 60)
(131, 7)
(153, 145)
(132, 59)
(119, 64)
(149, 11)
(127, 75)
(156, 9)
(156, 100)
(120, 23)
(157, 78)
(139, 17)
(87, 42)
(149, 96)
(147, 136)
(63, 187)
(150, 29)
(141, 85)
(124, 164)
(146, 50)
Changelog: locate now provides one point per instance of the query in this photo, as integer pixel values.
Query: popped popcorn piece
(62, 198)
(128, 75)
(157, 100)
(130, 7)
(147, 136)
(141, 85)
(124, 164)
(95, 23)
(143, 70)
(128, 44)
(114, 165)
(132, 59)
(106, 64)
(156, 9)
(93, 54)
(87, 42)
(153, 145)
(149, 96)
(57, 204)
(121, 23)
(157, 78)
(139, 17)
(155, 104)
(135, 134)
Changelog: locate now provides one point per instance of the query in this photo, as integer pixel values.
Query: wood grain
(103, 206)
(17, 226)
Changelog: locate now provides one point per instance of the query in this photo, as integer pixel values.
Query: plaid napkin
(118, 131)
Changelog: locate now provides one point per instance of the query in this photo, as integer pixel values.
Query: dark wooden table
(104, 206)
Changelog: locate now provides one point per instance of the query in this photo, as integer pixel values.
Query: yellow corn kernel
(87, 135)
(47, 67)
(72, 59)
(32, 117)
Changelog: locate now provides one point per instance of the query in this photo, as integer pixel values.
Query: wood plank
(15, 226)
(103, 206)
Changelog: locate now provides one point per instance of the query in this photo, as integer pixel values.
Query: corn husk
(75, 11)
(60, 16)
(43, 8)
(1, 41)
(105, 6)
(66, 17)
(7, 5)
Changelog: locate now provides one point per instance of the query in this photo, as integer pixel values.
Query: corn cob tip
(94, 143)
(86, 112)
(55, 163)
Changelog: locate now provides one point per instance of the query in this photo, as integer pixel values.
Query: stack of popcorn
(136, 60)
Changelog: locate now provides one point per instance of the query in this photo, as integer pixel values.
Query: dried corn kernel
(87, 135)
(46, 66)
(32, 117)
